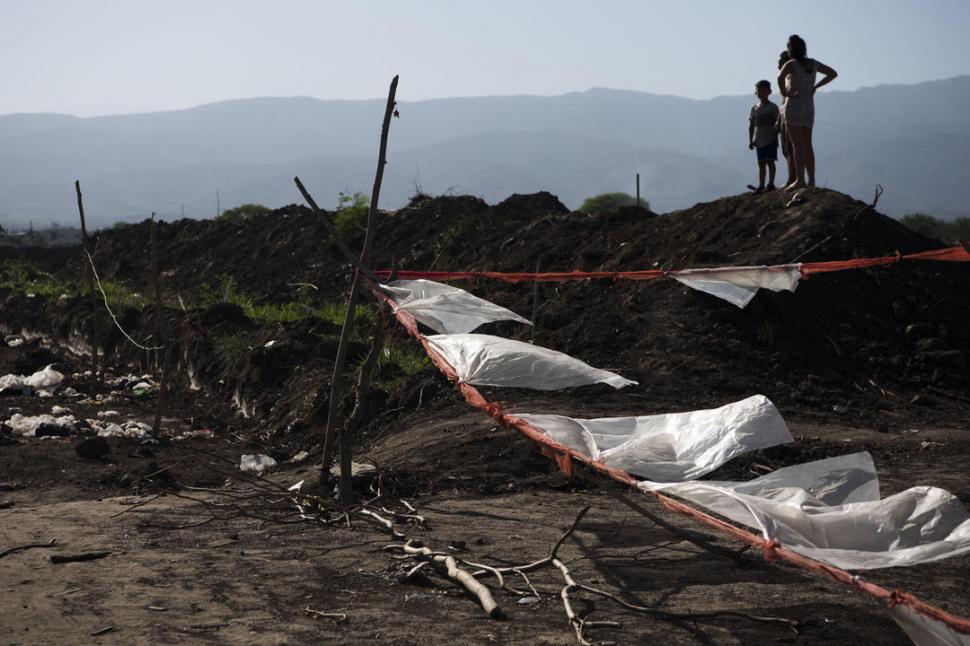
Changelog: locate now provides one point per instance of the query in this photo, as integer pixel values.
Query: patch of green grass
(119, 296)
(305, 306)
(232, 351)
(19, 276)
(334, 311)
(409, 358)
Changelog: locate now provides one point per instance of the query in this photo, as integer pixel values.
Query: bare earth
(244, 581)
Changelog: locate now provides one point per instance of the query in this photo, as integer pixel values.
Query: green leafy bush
(243, 212)
(950, 232)
(350, 218)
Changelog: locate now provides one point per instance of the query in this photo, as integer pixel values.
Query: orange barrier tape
(565, 457)
(949, 254)
(545, 277)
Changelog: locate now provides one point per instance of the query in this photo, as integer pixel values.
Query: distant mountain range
(912, 139)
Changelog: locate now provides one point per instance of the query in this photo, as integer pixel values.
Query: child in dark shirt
(763, 135)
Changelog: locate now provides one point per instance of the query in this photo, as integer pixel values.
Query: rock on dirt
(93, 448)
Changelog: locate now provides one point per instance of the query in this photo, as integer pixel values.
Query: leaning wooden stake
(89, 284)
(162, 330)
(336, 384)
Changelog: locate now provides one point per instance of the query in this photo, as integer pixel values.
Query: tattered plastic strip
(487, 360)
(447, 309)
(739, 285)
(939, 621)
(948, 254)
(830, 510)
(672, 447)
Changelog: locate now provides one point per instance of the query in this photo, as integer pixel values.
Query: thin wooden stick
(24, 548)
(162, 328)
(328, 225)
(336, 384)
(89, 284)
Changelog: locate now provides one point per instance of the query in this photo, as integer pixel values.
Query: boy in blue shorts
(763, 135)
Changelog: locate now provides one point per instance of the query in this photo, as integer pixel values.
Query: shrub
(243, 212)
(950, 232)
(609, 202)
(350, 218)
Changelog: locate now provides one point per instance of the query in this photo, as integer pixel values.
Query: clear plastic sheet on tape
(672, 447)
(926, 631)
(446, 309)
(486, 360)
(830, 510)
(738, 285)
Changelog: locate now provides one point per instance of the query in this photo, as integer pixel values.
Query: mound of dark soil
(881, 347)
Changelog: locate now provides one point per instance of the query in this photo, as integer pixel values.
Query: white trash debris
(256, 463)
(105, 414)
(13, 382)
(14, 341)
(57, 411)
(107, 430)
(198, 434)
(28, 425)
(130, 429)
(46, 378)
(137, 429)
(300, 457)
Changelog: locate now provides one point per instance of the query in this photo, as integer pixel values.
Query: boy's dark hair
(797, 47)
(783, 58)
(763, 83)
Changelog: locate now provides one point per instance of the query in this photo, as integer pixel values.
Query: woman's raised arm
(827, 72)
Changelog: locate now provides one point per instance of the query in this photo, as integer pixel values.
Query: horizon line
(449, 98)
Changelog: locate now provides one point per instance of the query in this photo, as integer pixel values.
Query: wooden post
(89, 284)
(161, 326)
(638, 189)
(535, 306)
(336, 383)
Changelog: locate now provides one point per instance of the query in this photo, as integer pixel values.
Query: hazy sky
(108, 56)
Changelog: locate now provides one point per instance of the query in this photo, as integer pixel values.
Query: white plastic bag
(672, 447)
(46, 378)
(738, 285)
(830, 510)
(255, 463)
(488, 360)
(446, 309)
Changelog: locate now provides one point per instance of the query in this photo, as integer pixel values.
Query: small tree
(610, 202)
(243, 212)
(350, 218)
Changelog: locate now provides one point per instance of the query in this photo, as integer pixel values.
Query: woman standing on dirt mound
(796, 82)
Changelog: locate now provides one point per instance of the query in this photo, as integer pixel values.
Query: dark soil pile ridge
(886, 346)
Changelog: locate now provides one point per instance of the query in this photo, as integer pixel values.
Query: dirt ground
(249, 581)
